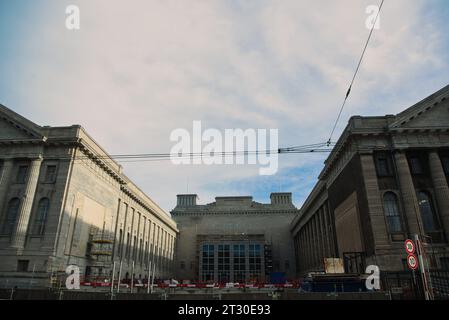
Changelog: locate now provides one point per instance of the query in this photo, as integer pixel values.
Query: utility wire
(316, 147)
(355, 73)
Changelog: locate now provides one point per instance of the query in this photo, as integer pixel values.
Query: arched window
(11, 216)
(41, 216)
(392, 215)
(430, 223)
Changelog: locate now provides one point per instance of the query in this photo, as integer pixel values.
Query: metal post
(132, 277)
(32, 276)
(422, 268)
(112, 280)
(149, 278)
(119, 276)
(152, 278)
(11, 297)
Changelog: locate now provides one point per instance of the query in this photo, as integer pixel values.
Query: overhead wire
(348, 92)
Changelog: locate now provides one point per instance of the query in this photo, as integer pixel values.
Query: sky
(137, 70)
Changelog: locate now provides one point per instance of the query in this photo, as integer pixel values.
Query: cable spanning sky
(137, 70)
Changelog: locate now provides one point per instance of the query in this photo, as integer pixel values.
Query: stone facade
(386, 180)
(219, 241)
(64, 201)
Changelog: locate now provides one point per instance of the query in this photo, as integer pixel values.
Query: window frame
(8, 222)
(22, 178)
(54, 175)
(414, 160)
(387, 214)
(39, 221)
(433, 211)
(379, 157)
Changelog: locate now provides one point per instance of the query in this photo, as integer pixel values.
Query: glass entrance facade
(224, 262)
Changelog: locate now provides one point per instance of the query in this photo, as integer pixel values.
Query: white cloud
(135, 71)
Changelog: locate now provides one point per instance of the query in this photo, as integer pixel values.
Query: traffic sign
(409, 246)
(412, 262)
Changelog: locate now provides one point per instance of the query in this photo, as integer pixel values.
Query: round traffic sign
(409, 246)
(412, 261)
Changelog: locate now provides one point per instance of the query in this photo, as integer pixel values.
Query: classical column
(408, 194)
(5, 180)
(375, 203)
(327, 239)
(307, 244)
(440, 187)
(23, 217)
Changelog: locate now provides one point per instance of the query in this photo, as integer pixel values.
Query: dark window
(134, 248)
(416, 165)
(287, 265)
(391, 210)
(207, 262)
(255, 262)
(383, 165)
(224, 263)
(11, 216)
(50, 174)
(239, 263)
(22, 174)
(120, 242)
(182, 265)
(444, 263)
(128, 245)
(445, 162)
(41, 217)
(430, 223)
(22, 265)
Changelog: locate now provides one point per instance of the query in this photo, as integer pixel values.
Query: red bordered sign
(409, 246)
(412, 262)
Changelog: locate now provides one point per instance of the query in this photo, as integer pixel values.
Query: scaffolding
(100, 256)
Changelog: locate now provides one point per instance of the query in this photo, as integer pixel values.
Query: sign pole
(132, 277)
(422, 268)
(112, 282)
(119, 276)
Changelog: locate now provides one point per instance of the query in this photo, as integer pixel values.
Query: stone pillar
(322, 234)
(5, 180)
(317, 239)
(307, 242)
(326, 234)
(23, 217)
(410, 200)
(375, 203)
(440, 187)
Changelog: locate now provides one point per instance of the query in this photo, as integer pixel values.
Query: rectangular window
(224, 263)
(120, 241)
(445, 162)
(22, 174)
(128, 245)
(383, 165)
(415, 165)
(255, 262)
(239, 263)
(50, 174)
(22, 265)
(444, 263)
(208, 262)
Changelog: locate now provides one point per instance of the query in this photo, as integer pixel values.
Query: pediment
(437, 116)
(432, 112)
(15, 127)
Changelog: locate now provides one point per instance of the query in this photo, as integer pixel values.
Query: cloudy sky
(137, 70)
